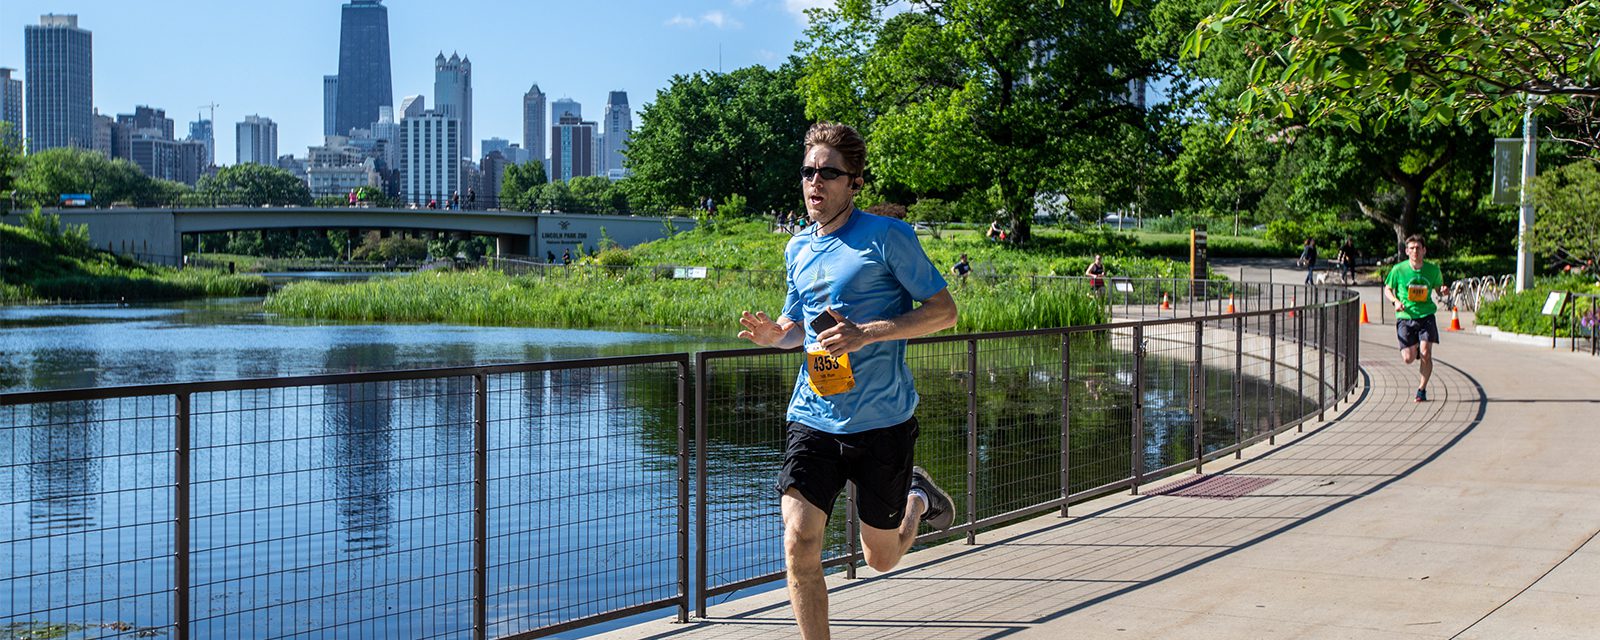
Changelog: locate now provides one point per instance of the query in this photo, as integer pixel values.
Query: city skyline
(288, 48)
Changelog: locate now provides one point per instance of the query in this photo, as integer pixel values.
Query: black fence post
(1066, 420)
(480, 507)
(1197, 392)
(701, 555)
(1238, 386)
(683, 490)
(181, 519)
(1322, 365)
(1137, 446)
(972, 440)
(1272, 377)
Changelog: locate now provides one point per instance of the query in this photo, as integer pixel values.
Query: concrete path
(1471, 516)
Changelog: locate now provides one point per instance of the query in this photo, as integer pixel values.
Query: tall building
(571, 148)
(618, 130)
(387, 132)
(11, 105)
(364, 82)
(515, 154)
(201, 131)
(413, 106)
(564, 106)
(429, 167)
(534, 128)
(330, 105)
(492, 145)
(147, 121)
(179, 161)
(452, 95)
(60, 69)
(105, 134)
(258, 140)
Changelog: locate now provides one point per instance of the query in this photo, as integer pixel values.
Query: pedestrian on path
(1308, 259)
(1410, 286)
(852, 280)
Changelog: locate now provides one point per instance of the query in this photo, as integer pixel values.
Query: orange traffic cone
(1291, 306)
(1230, 303)
(1364, 319)
(1455, 321)
(1165, 304)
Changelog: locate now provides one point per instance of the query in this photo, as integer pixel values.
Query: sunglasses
(827, 173)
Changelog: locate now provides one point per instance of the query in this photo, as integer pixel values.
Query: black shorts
(817, 464)
(1412, 332)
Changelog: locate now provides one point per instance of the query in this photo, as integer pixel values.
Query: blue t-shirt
(870, 269)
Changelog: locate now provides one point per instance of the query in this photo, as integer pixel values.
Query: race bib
(1417, 292)
(826, 374)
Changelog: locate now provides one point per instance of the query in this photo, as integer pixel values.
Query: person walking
(1308, 259)
(852, 279)
(1410, 286)
(455, 200)
(1347, 262)
(472, 199)
(961, 268)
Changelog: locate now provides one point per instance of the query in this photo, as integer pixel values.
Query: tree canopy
(253, 185)
(1016, 96)
(44, 175)
(1364, 64)
(715, 134)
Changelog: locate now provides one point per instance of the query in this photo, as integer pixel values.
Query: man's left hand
(845, 337)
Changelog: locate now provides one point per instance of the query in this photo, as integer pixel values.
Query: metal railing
(523, 500)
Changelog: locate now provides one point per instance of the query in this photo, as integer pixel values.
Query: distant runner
(1410, 286)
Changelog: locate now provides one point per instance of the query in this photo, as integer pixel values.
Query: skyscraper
(413, 106)
(201, 131)
(562, 107)
(330, 102)
(618, 130)
(60, 89)
(429, 168)
(452, 96)
(11, 105)
(364, 83)
(571, 148)
(492, 145)
(534, 128)
(258, 140)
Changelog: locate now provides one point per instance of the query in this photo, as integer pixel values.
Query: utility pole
(1530, 131)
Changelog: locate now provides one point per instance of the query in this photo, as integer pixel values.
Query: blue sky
(268, 57)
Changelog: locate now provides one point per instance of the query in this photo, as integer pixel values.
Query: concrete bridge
(1474, 515)
(159, 232)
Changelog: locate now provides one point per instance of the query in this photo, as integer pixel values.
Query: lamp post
(1530, 125)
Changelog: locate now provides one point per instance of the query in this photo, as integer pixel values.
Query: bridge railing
(523, 500)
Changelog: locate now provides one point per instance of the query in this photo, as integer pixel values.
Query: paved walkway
(1471, 516)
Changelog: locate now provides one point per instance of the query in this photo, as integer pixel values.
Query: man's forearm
(936, 314)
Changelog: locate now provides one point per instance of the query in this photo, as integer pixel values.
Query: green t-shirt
(1415, 288)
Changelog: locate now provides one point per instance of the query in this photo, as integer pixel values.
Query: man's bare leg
(884, 547)
(803, 528)
(1426, 366)
(1408, 354)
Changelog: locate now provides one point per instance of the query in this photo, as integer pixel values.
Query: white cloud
(715, 19)
(720, 20)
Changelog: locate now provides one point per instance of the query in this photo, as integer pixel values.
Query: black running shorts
(1412, 332)
(817, 464)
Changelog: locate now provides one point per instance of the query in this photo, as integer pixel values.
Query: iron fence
(523, 500)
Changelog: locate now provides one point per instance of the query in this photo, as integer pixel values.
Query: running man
(1410, 286)
(852, 279)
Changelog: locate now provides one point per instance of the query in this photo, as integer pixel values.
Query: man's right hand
(762, 330)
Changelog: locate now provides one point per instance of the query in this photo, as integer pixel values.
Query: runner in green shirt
(1410, 286)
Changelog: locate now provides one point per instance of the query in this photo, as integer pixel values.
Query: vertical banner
(1197, 253)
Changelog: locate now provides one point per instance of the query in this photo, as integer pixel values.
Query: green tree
(47, 174)
(713, 134)
(10, 160)
(518, 185)
(596, 194)
(960, 95)
(554, 196)
(1568, 225)
(1364, 64)
(253, 185)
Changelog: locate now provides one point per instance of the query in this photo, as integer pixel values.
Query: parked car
(1119, 221)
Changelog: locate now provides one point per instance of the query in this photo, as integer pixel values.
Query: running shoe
(941, 509)
(1422, 395)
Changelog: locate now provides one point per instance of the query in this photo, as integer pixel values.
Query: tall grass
(596, 298)
(37, 265)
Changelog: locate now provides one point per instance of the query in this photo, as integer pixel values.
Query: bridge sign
(75, 199)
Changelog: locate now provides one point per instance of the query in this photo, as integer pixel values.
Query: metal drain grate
(1214, 487)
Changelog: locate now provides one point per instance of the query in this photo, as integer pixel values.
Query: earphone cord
(824, 225)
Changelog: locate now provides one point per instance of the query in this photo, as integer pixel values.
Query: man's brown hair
(1417, 238)
(842, 138)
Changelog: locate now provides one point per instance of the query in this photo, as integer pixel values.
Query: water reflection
(359, 419)
(63, 450)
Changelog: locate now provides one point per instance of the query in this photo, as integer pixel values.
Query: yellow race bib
(826, 374)
(1417, 292)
